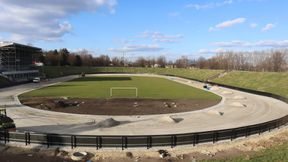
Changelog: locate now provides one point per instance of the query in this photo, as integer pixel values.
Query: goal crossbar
(123, 88)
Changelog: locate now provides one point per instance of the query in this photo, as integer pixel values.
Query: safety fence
(148, 141)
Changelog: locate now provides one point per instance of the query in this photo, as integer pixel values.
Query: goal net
(123, 92)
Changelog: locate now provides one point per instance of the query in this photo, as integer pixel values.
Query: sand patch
(227, 92)
(239, 97)
(214, 88)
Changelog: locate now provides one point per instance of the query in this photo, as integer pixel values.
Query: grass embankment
(198, 74)
(99, 87)
(276, 83)
(4, 82)
(274, 154)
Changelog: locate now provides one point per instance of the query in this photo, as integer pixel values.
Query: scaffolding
(16, 61)
(15, 57)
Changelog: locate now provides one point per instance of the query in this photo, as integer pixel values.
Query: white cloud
(209, 5)
(268, 27)
(210, 51)
(227, 24)
(32, 20)
(261, 43)
(160, 37)
(253, 25)
(234, 43)
(273, 43)
(137, 48)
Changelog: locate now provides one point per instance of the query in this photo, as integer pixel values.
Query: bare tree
(182, 62)
(161, 61)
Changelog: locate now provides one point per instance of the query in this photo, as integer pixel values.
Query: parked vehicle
(36, 80)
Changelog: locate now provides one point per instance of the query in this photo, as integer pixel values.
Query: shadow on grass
(102, 79)
(64, 85)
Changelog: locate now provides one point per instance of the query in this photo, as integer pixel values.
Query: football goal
(124, 92)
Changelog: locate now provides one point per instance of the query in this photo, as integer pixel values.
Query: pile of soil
(117, 106)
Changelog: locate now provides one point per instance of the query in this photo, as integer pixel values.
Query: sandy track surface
(235, 110)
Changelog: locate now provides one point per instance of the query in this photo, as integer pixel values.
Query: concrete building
(17, 61)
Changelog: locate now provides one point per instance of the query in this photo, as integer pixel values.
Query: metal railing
(148, 141)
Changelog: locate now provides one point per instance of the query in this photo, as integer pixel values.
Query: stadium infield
(91, 95)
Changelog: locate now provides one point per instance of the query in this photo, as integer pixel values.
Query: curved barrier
(146, 140)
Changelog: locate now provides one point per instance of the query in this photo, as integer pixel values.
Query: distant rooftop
(3, 44)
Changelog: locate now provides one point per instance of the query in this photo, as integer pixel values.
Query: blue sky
(147, 28)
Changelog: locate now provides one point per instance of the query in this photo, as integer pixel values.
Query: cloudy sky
(147, 28)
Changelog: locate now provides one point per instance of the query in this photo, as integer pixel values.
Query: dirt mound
(215, 112)
(107, 123)
(169, 119)
(237, 104)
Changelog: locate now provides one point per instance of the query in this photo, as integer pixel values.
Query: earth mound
(107, 123)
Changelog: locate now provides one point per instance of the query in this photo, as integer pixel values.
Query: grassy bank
(199, 74)
(274, 154)
(276, 83)
(4, 82)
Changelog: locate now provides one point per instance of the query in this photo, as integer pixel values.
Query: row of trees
(251, 61)
(63, 57)
(276, 61)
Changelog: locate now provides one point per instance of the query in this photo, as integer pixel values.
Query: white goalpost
(124, 88)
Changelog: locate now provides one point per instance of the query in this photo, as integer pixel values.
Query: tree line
(269, 60)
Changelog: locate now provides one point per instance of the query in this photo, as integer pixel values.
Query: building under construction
(16, 61)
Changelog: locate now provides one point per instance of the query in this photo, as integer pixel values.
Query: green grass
(4, 82)
(98, 87)
(198, 74)
(276, 83)
(274, 154)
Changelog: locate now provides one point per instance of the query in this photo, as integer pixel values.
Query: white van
(36, 80)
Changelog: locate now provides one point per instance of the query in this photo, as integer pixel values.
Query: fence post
(215, 137)
(173, 141)
(48, 140)
(195, 139)
(73, 142)
(149, 142)
(233, 134)
(72, 145)
(97, 142)
(100, 141)
(124, 142)
(27, 138)
(5, 133)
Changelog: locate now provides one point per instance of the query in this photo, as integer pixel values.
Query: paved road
(237, 108)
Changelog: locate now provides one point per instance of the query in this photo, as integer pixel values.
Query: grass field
(276, 83)
(198, 74)
(98, 87)
(274, 154)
